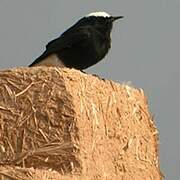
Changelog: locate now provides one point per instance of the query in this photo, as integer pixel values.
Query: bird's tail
(38, 60)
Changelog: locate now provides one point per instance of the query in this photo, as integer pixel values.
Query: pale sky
(145, 50)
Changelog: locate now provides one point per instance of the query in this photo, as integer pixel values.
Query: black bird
(82, 45)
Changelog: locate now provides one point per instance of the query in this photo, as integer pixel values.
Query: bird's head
(101, 21)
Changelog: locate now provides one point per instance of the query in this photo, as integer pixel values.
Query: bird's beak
(114, 18)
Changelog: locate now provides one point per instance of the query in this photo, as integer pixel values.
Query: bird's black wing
(66, 40)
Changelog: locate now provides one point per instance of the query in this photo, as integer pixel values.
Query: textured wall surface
(66, 123)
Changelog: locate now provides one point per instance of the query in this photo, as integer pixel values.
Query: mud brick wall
(63, 124)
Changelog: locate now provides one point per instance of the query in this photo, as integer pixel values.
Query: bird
(82, 45)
